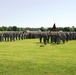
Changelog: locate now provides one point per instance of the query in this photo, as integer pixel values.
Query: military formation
(12, 36)
(57, 37)
(44, 37)
(15, 35)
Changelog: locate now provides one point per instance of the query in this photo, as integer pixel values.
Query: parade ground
(30, 57)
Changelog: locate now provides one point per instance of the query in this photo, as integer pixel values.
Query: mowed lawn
(29, 57)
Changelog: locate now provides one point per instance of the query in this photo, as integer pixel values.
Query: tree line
(15, 28)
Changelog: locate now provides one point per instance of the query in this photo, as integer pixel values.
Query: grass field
(29, 57)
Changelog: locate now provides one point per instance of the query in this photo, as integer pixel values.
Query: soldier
(0, 37)
(67, 36)
(63, 37)
(45, 38)
(58, 36)
(53, 37)
(19, 36)
(40, 37)
(22, 35)
(14, 35)
(5, 36)
(48, 37)
(11, 37)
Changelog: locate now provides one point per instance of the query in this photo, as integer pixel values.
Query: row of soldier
(56, 37)
(12, 36)
(45, 37)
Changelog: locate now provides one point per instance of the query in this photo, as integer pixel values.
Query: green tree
(66, 29)
(75, 29)
(14, 28)
(42, 29)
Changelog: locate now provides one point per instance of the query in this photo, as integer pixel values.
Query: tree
(4, 28)
(48, 29)
(9, 28)
(14, 28)
(66, 29)
(75, 29)
(60, 29)
(42, 29)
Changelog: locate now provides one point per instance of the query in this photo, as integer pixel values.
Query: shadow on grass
(42, 45)
(51, 44)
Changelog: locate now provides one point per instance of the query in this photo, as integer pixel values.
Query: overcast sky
(38, 13)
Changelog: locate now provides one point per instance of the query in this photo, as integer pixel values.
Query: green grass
(29, 57)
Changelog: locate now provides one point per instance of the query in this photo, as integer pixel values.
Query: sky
(38, 13)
